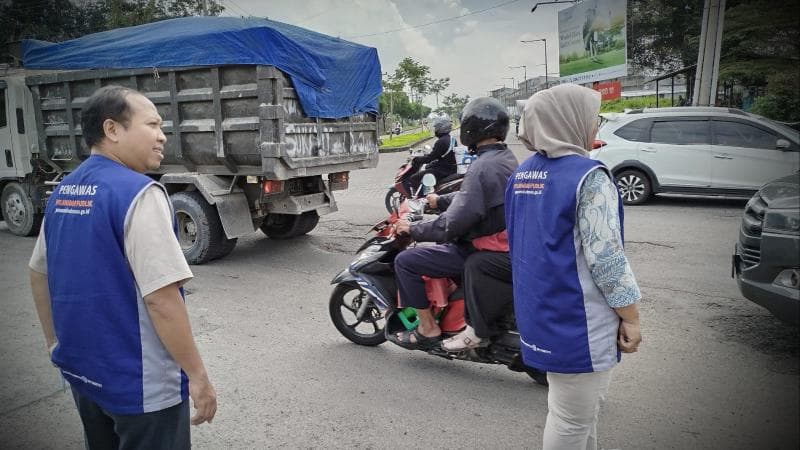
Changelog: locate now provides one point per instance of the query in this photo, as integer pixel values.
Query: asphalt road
(714, 370)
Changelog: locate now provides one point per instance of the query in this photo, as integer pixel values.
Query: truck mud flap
(322, 202)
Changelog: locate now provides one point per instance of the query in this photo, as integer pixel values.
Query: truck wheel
(225, 247)
(200, 231)
(634, 187)
(285, 226)
(19, 212)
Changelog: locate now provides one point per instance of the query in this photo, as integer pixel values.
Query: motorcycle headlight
(782, 220)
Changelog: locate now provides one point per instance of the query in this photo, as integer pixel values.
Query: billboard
(591, 41)
(609, 90)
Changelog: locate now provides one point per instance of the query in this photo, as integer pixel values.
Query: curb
(405, 148)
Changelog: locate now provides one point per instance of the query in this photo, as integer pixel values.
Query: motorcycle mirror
(429, 180)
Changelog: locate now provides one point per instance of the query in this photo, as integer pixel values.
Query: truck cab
(21, 199)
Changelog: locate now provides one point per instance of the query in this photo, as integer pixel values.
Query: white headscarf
(560, 121)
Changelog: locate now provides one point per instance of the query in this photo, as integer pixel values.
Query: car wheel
(634, 187)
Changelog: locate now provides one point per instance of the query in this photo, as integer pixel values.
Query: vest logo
(77, 189)
(78, 207)
(529, 182)
(530, 175)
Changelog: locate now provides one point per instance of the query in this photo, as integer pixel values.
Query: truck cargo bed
(222, 120)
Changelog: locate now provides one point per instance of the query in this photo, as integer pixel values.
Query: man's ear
(110, 129)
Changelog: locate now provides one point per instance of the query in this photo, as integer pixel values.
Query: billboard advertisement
(609, 90)
(592, 45)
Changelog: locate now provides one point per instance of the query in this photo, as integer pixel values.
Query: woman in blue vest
(574, 292)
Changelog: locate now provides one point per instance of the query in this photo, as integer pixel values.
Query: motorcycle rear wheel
(393, 200)
(345, 301)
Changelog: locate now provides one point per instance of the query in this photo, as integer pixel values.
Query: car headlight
(782, 220)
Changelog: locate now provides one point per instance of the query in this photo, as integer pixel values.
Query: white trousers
(573, 403)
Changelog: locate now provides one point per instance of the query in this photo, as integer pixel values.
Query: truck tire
(285, 226)
(225, 248)
(200, 231)
(18, 210)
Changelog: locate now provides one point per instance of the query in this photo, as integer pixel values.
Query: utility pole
(544, 41)
(525, 76)
(705, 83)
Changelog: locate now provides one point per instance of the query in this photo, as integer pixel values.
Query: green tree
(781, 101)
(760, 39)
(663, 34)
(415, 76)
(392, 87)
(437, 86)
(453, 104)
(760, 44)
(60, 20)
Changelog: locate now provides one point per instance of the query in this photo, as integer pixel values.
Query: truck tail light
(338, 181)
(272, 186)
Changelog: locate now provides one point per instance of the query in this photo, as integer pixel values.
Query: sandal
(466, 340)
(403, 339)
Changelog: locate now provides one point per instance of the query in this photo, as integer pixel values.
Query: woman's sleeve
(601, 240)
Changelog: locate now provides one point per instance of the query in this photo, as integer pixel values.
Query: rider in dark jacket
(475, 210)
(441, 161)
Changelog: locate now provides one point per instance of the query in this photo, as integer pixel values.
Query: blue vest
(107, 347)
(564, 322)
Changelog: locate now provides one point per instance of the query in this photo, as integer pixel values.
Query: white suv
(694, 150)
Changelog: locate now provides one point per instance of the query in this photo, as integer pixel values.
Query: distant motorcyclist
(441, 161)
(474, 211)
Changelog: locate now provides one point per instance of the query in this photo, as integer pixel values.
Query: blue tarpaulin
(333, 78)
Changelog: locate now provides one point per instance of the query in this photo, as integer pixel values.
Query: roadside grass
(404, 140)
(612, 58)
(620, 104)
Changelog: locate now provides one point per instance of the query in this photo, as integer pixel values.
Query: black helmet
(483, 118)
(442, 126)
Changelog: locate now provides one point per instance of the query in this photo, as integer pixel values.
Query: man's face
(141, 144)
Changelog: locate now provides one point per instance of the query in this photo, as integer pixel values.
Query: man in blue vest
(574, 292)
(106, 276)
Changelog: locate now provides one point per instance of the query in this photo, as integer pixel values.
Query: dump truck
(241, 153)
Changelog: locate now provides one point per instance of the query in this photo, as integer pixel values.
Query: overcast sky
(474, 51)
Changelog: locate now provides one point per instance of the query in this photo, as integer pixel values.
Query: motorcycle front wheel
(343, 307)
(393, 200)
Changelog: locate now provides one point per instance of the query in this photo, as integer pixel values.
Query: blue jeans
(159, 430)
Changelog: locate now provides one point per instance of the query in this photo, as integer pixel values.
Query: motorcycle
(399, 190)
(364, 305)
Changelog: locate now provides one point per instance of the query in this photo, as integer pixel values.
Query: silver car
(694, 150)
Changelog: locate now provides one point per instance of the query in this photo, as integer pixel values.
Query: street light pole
(544, 41)
(525, 76)
(551, 3)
